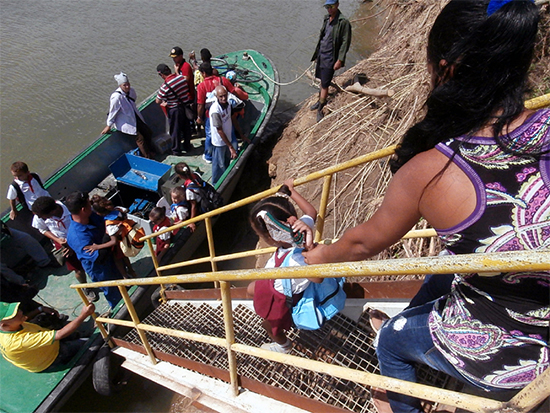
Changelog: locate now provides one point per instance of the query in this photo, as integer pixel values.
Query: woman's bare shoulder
(423, 167)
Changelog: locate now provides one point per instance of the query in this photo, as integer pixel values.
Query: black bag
(210, 199)
(189, 111)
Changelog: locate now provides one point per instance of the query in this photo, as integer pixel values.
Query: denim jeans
(221, 157)
(207, 140)
(403, 341)
(433, 287)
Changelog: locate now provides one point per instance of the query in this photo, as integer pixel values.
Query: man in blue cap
(331, 50)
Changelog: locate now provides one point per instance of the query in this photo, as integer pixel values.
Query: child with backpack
(116, 229)
(275, 221)
(202, 196)
(160, 221)
(25, 188)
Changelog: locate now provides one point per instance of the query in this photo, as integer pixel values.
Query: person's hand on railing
(314, 254)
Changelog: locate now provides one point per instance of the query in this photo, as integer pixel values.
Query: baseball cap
(330, 2)
(176, 51)
(8, 310)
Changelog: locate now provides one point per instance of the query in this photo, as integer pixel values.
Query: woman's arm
(398, 213)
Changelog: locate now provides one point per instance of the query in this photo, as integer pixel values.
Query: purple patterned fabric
(495, 328)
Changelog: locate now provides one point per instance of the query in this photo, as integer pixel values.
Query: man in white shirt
(126, 118)
(222, 124)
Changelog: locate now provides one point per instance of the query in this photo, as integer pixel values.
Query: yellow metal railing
(538, 102)
(490, 263)
(528, 398)
(325, 174)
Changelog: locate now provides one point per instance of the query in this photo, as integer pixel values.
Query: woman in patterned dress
(477, 168)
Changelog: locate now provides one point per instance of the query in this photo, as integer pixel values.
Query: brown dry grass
(359, 124)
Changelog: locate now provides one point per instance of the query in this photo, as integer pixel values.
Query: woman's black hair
(481, 64)
(278, 206)
(206, 55)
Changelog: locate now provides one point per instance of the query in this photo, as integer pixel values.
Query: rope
(277, 83)
(60, 310)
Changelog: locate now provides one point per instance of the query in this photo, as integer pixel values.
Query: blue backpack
(320, 302)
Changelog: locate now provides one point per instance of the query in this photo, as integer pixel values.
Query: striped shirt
(174, 91)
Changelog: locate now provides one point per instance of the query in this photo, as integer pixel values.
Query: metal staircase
(341, 341)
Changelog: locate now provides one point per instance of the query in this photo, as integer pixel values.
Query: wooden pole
(357, 88)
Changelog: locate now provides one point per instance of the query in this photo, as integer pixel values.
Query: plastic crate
(140, 172)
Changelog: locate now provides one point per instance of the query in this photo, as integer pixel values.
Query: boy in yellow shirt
(32, 347)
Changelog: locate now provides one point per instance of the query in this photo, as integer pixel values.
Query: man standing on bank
(330, 53)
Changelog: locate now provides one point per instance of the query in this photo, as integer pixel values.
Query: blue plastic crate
(140, 172)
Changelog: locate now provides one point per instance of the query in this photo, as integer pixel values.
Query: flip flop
(377, 319)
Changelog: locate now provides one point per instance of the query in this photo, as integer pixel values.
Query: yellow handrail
(300, 181)
(484, 264)
(538, 102)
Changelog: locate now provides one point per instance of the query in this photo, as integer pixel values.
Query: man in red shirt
(181, 67)
(205, 88)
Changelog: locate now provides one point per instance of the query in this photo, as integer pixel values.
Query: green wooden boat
(90, 171)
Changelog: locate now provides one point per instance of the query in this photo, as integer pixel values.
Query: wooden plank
(255, 386)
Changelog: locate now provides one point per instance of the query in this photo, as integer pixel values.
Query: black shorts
(325, 75)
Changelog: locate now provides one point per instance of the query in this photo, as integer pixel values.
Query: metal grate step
(341, 341)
